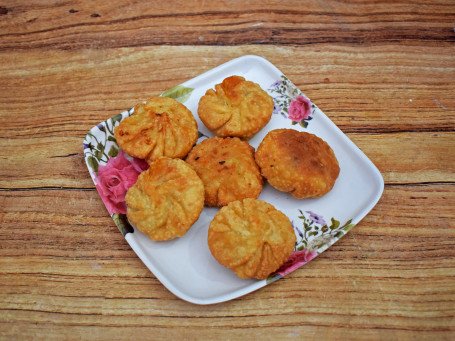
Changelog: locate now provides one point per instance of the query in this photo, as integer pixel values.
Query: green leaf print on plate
(122, 223)
(179, 93)
(314, 237)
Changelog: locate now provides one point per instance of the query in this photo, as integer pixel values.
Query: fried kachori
(227, 169)
(251, 237)
(236, 107)
(297, 162)
(166, 200)
(159, 127)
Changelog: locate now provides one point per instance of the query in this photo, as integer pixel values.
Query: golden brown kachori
(297, 162)
(166, 200)
(236, 107)
(159, 127)
(251, 237)
(227, 169)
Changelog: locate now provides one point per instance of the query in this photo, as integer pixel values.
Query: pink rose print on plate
(299, 109)
(115, 178)
(291, 103)
(296, 260)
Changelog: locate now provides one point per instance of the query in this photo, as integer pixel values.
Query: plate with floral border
(185, 265)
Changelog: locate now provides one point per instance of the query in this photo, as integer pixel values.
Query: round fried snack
(297, 162)
(235, 108)
(227, 169)
(251, 237)
(166, 200)
(159, 127)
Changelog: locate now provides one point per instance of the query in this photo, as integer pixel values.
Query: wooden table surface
(383, 71)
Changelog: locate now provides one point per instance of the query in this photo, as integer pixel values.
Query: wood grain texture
(383, 71)
(80, 24)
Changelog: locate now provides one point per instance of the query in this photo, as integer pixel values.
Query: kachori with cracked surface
(159, 127)
(236, 107)
(166, 200)
(251, 237)
(227, 169)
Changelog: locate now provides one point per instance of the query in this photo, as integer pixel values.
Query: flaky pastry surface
(159, 127)
(251, 237)
(227, 169)
(236, 107)
(297, 162)
(166, 200)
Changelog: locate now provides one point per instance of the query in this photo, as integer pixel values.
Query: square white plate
(185, 265)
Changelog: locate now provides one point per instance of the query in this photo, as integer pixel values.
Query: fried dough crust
(159, 127)
(236, 107)
(251, 237)
(166, 200)
(297, 162)
(227, 169)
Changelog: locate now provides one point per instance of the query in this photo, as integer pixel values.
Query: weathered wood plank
(83, 219)
(383, 71)
(390, 277)
(65, 93)
(78, 25)
(410, 157)
(402, 158)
